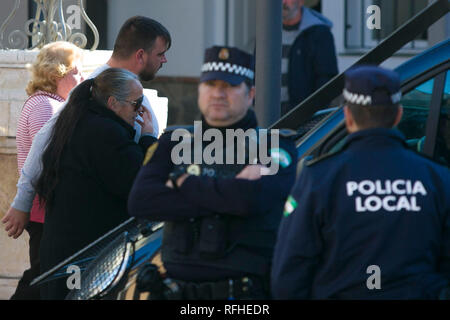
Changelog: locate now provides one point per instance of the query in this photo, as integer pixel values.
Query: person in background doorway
(308, 53)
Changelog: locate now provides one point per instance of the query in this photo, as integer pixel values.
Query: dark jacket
(98, 166)
(312, 58)
(375, 209)
(215, 227)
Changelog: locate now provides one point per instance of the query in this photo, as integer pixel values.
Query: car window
(416, 105)
(442, 149)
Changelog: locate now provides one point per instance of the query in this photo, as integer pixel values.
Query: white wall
(214, 22)
(194, 25)
(185, 20)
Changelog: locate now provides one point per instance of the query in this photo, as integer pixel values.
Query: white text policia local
(388, 195)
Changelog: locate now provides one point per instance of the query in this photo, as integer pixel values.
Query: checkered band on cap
(372, 85)
(367, 100)
(228, 67)
(357, 98)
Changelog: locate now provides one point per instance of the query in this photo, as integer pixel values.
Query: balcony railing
(48, 25)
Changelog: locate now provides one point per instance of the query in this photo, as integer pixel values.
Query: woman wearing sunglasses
(89, 166)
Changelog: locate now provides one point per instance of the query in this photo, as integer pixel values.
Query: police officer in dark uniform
(221, 217)
(371, 221)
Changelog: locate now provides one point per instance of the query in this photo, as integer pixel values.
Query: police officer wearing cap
(371, 221)
(220, 219)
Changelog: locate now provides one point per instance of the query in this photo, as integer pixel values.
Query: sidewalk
(7, 287)
(13, 261)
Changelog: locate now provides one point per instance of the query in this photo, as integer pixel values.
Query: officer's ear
(252, 92)
(349, 121)
(399, 115)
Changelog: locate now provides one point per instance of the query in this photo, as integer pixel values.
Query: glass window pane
(442, 150)
(416, 105)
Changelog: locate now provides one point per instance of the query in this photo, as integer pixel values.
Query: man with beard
(140, 47)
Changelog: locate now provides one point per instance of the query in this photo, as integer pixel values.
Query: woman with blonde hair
(56, 70)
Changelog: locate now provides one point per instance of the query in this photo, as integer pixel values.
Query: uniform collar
(249, 121)
(375, 134)
(107, 113)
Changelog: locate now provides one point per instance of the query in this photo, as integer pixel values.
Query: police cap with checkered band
(229, 64)
(370, 85)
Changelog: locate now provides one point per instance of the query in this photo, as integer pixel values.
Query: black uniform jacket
(98, 166)
(203, 196)
(370, 222)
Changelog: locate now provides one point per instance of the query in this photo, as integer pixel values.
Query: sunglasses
(136, 103)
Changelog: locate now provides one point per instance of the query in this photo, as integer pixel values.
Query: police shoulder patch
(194, 169)
(149, 154)
(290, 205)
(280, 156)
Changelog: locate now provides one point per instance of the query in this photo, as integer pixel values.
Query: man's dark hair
(139, 33)
(367, 117)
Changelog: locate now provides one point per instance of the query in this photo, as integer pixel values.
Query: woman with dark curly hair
(89, 166)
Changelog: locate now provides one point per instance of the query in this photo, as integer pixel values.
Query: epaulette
(173, 128)
(321, 158)
(150, 152)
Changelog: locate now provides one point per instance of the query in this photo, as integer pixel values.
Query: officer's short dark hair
(380, 116)
(139, 32)
(249, 83)
(373, 96)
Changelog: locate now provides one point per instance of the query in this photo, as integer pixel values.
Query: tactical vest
(222, 241)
